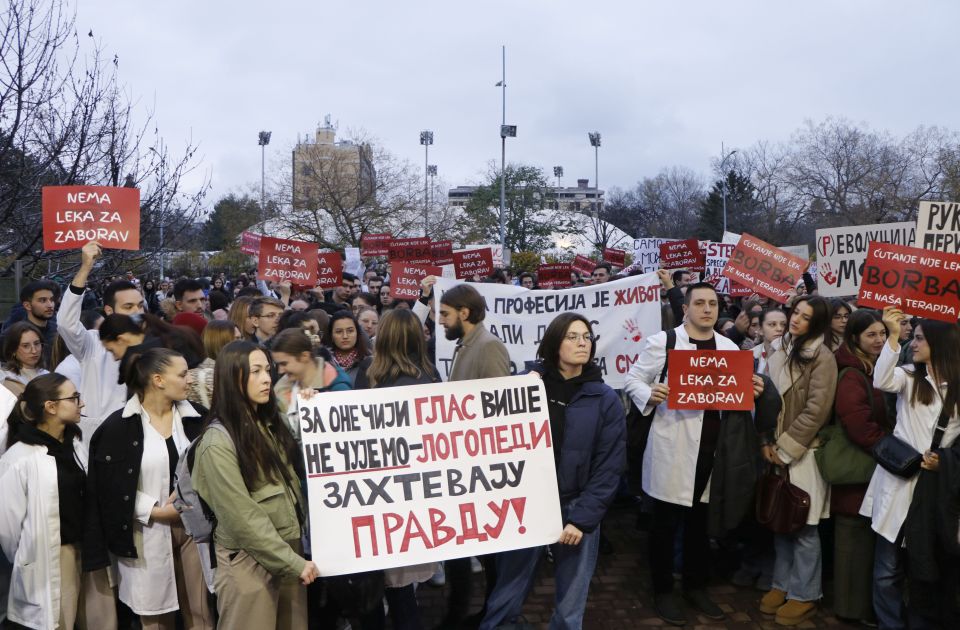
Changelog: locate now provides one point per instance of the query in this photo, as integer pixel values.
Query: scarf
(347, 359)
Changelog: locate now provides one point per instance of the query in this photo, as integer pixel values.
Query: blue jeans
(516, 571)
(797, 568)
(889, 574)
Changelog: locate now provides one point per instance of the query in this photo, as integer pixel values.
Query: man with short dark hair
(601, 273)
(267, 311)
(682, 278)
(344, 294)
(374, 284)
(527, 280)
(38, 299)
(189, 296)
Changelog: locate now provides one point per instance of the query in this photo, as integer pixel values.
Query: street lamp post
(263, 142)
(595, 143)
(558, 173)
(426, 139)
(506, 131)
(723, 182)
(432, 172)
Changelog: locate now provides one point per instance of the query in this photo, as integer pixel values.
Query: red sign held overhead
(405, 279)
(249, 243)
(764, 268)
(919, 281)
(683, 255)
(616, 257)
(583, 265)
(556, 276)
(412, 250)
(720, 380)
(473, 262)
(330, 270)
(75, 215)
(286, 260)
(442, 252)
(375, 244)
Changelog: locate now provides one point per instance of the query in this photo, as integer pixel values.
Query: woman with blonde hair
(216, 334)
(239, 314)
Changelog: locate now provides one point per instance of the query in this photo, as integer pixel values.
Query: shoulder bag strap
(671, 344)
(941, 427)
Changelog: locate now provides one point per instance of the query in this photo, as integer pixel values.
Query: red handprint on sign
(826, 272)
(633, 331)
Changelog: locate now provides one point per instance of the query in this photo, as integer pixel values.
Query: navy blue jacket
(593, 455)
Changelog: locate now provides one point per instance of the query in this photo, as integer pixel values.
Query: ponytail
(138, 367)
(29, 408)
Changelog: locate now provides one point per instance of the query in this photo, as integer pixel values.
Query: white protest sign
(353, 262)
(646, 253)
(407, 475)
(842, 251)
(623, 313)
(717, 256)
(938, 226)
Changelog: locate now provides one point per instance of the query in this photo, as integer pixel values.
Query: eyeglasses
(75, 398)
(843, 316)
(574, 337)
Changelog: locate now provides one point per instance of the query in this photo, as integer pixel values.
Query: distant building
(579, 198)
(325, 168)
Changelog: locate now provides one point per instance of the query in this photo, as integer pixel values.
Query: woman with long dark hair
(133, 459)
(928, 396)
(860, 411)
(347, 343)
(249, 476)
(41, 514)
(22, 356)
(804, 371)
(840, 315)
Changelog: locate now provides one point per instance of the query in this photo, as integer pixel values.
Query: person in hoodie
(41, 514)
(588, 426)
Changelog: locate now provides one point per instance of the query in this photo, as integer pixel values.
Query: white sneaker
(475, 566)
(439, 578)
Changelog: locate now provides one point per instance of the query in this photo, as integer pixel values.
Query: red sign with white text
(764, 268)
(375, 244)
(556, 276)
(583, 265)
(442, 252)
(286, 260)
(249, 243)
(720, 380)
(405, 279)
(683, 255)
(75, 215)
(412, 250)
(616, 257)
(330, 270)
(920, 282)
(473, 262)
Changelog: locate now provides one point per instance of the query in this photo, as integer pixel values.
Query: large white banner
(842, 251)
(406, 475)
(938, 226)
(623, 313)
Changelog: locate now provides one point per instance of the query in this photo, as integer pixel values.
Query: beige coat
(480, 354)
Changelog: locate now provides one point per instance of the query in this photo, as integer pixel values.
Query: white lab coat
(147, 583)
(670, 459)
(30, 534)
(7, 401)
(888, 496)
(99, 389)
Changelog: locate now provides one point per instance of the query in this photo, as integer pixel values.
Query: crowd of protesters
(109, 387)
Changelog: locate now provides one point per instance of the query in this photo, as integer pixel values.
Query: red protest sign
(719, 380)
(583, 265)
(330, 270)
(411, 250)
(922, 282)
(556, 276)
(249, 243)
(442, 252)
(737, 290)
(764, 268)
(75, 215)
(683, 255)
(616, 257)
(287, 260)
(375, 244)
(473, 262)
(405, 279)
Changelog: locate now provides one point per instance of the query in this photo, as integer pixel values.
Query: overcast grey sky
(664, 82)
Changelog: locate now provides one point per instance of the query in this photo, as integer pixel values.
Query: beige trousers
(249, 598)
(70, 573)
(98, 603)
(191, 588)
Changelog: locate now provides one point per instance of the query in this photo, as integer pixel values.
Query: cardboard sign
(841, 253)
(583, 265)
(920, 281)
(719, 380)
(286, 260)
(405, 279)
(683, 255)
(330, 270)
(442, 252)
(408, 475)
(473, 262)
(764, 268)
(556, 276)
(75, 215)
(938, 226)
(616, 257)
(249, 243)
(375, 244)
(412, 250)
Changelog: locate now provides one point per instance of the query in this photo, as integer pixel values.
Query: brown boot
(772, 601)
(793, 612)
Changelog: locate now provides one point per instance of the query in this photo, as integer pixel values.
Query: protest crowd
(162, 464)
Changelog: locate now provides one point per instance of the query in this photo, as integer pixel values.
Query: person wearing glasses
(41, 514)
(22, 356)
(838, 323)
(267, 311)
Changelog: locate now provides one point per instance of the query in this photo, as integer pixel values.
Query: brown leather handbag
(781, 506)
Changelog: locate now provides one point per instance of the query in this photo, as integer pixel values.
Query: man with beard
(38, 300)
(479, 354)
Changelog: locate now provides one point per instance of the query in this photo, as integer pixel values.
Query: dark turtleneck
(560, 391)
(70, 481)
